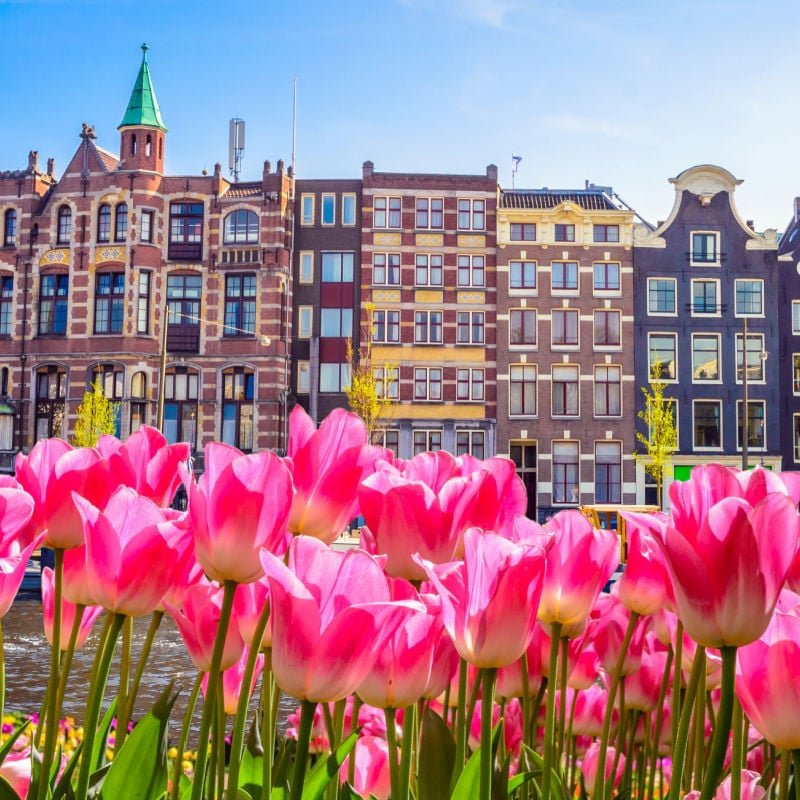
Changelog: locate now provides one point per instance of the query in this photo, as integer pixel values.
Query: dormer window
(241, 227)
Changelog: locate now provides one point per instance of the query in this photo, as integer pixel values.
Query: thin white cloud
(493, 13)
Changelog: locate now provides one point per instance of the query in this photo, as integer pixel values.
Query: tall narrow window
(306, 267)
(183, 304)
(386, 269)
(522, 390)
(756, 357)
(566, 472)
(238, 393)
(607, 328)
(240, 305)
(146, 226)
(663, 352)
(348, 209)
(104, 223)
(138, 401)
(181, 388)
(53, 297)
(120, 222)
(522, 327)
(607, 391)
(186, 231)
(565, 381)
(10, 228)
(471, 270)
(705, 248)
(148, 146)
(241, 227)
(328, 209)
(756, 432)
(143, 303)
(109, 302)
(607, 472)
(64, 225)
(564, 327)
(707, 423)
(307, 209)
(51, 390)
(6, 303)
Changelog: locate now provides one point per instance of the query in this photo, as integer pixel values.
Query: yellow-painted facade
(430, 355)
(440, 410)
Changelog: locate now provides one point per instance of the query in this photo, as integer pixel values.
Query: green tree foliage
(662, 435)
(96, 415)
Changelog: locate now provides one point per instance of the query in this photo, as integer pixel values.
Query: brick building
(565, 391)
(702, 278)
(89, 263)
(428, 277)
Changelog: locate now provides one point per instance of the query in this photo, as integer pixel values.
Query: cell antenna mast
(294, 128)
(235, 147)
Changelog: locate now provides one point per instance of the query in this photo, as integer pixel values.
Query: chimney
(797, 209)
(267, 168)
(33, 161)
(491, 172)
(51, 167)
(279, 166)
(367, 168)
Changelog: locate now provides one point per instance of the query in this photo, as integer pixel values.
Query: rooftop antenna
(294, 130)
(514, 167)
(235, 147)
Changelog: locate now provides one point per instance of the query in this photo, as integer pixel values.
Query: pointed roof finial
(143, 107)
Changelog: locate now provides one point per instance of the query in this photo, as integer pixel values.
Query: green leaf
(349, 793)
(500, 781)
(64, 787)
(468, 785)
(9, 743)
(6, 792)
(319, 777)
(139, 772)
(519, 780)
(101, 739)
(281, 764)
(279, 793)
(251, 772)
(437, 756)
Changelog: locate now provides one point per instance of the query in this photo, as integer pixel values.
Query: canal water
(27, 657)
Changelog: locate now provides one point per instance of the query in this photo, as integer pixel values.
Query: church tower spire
(142, 129)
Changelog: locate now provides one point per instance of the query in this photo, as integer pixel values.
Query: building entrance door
(523, 454)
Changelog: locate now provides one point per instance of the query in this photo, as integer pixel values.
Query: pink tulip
(768, 681)
(89, 615)
(130, 560)
(645, 585)
(198, 619)
(612, 623)
(401, 672)
(586, 668)
(750, 788)
(642, 687)
(729, 570)
(332, 615)
(589, 767)
(232, 679)
(327, 466)
(16, 770)
(443, 668)
(240, 504)
(12, 571)
(248, 603)
(489, 599)
(145, 462)
(371, 777)
(578, 565)
(75, 585)
(590, 708)
(758, 482)
(16, 512)
(53, 474)
(510, 679)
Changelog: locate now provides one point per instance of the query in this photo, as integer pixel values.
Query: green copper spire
(143, 106)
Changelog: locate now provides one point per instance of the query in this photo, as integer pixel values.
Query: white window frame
(795, 374)
(307, 220)
(346, 198)
(303, 377)
(428, 201)
(305, 327)
(473, 201)
(428, 433)
(716, 262)
(472, 270)
(795, 437)
(427, 314)
(607, 292)
(427, 371)
(567, 501)
(763, 357)
(674, 282)
(305, 274)
(577, 369)
(323, 197)
(471, 327)
(387, 382)
(511, 382)
(795, 317)
(605, 347)
(703, 448)
(150, 213)
(387, 269)
(748, 314)
(570, 292)
(427, 267)
(472, 394)
(620, 463)
(472, 435)
(524, 345)
(564, 347)
(751, 402)
(596, 383)
(387, 211)
(717, 306)
(378, 439)
(523, 290)
(386, 339)
(708, 335)
(674, 336)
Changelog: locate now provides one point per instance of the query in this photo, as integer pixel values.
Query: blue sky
(615, 91)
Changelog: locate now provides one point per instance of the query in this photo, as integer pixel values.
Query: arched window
(133, 144)
(181, 387)
(6, 303)
(148, 147)
(121, 222)
(241, 227)
(111, 378)
(64, 225)
(238, 392)
(104, 223)
(51, 389)
(10, 228)
(138, 401)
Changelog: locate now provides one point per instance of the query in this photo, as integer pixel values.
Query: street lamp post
(746, 409)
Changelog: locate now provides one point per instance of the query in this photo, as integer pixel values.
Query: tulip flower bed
(462, 651)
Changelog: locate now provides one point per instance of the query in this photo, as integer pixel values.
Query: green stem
(93, 703)
(570, 741)
(461, 731)
(677, 680)
(185, 727)
(698, 764)
(391, 740)
(220, 740)
(307, 709)
(211, 690)
(328, 717)
(550, 714)
(599, 785)
(796, 765)
(406, 747)
(240, 720)
(682, 736)
(562, 711)
(526, 698)
(66, 662)
(783, 780)
(656, 734)
(722, 730)
(487, 702)
(155, 622)
(473, 700)
(737, 751)
(51, 725)
(267, 722)
(124, 684)
(351, 761)
(2, 674)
